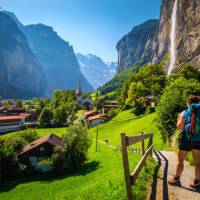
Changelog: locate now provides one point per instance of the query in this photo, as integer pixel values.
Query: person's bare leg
(180, 162)
(175, 181)
(196, 156)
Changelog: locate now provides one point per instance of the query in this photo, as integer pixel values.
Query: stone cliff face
(57, 58)
(187, 31)
(136, 45)
(21, 75)
(157, 44)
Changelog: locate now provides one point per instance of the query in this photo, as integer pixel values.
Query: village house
(97, 119)
(90, 114)
(11, 123)
(108, 106)
(15, 110)
(41, 149)
(149, 101)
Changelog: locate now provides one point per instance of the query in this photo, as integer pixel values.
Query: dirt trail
(160, 190)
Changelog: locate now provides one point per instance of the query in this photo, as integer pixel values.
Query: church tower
(79, 93)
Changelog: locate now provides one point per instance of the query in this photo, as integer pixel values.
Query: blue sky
(91, 26)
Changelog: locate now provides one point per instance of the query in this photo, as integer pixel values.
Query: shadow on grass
(130, 119)
(52, 176)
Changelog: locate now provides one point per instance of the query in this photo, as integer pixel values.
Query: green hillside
(102, 176)
(117, 81)
(127, 122)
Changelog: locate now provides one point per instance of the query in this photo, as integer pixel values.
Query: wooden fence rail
(126, 141)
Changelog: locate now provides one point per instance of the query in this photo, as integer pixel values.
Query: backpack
(192, 127)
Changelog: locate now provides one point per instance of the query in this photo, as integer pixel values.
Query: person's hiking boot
(195, 185)
(175, 181)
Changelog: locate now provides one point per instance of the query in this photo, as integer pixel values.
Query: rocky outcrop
(137, 45)
(95, 69)
(21, 75)
(150, 42)
(57, 58)
(187, 32)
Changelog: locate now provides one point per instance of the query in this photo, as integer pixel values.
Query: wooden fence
(126, 141)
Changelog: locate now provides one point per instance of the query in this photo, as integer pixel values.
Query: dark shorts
(187, 145)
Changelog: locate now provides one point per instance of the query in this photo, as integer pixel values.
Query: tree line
(170, 92)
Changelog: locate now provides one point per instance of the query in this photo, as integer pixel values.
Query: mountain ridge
(136, 46)
(41, 37)
(95, 69)
(22, 75)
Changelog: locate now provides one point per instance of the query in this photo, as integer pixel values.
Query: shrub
(113, 113)
(74, 153)
(150, 110)
(46, 117)
(172, 102)
(60, 115)
(10, 164)
(139, 107)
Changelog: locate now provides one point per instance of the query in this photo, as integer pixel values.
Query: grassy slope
(102, 178)
(126, 122)
(117, 81)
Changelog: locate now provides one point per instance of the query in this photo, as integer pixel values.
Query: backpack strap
(193, 108)
(192, 125)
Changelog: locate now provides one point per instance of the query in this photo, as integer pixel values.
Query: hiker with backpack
(189, 124)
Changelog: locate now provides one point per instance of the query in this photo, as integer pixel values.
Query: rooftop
(99, 116)
(51, 139)
(90, 112)
(3, 118)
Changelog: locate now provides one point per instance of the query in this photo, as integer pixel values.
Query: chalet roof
(51, 139)
(90, 112)
(10, 118)
(99, 116)
(25, 115)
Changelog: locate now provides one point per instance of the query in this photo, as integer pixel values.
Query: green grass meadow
(127, 122)
(101, 178)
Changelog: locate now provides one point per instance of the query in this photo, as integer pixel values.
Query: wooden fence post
(126, 166)
(143, 148)
(150, 143)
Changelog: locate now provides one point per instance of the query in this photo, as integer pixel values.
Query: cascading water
(173, 38)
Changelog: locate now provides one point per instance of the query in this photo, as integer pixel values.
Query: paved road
(160, 190)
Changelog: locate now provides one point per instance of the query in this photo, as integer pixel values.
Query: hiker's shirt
(187, 116)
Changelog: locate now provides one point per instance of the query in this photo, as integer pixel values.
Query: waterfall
(173, 38)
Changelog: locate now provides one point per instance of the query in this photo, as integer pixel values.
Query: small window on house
(41, 148)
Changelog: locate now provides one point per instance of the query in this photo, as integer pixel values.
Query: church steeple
(79, 90)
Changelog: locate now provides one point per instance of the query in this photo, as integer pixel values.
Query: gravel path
(160, 190)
